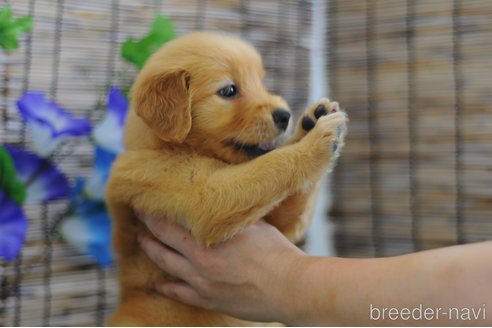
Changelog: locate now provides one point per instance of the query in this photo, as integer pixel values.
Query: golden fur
(184, 161)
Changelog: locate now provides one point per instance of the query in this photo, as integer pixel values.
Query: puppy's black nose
(281, 118)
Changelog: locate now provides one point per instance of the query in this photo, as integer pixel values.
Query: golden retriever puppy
(207, 147)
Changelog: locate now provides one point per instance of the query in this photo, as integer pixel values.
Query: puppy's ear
(163, 101)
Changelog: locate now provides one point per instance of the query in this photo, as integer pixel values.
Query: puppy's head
(206, 91)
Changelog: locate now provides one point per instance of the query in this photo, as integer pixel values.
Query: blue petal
(13, 228)
(49, 122)
(77, 190)
(109, 131)
(103, 160)
(34, 107)
(43, 180)
(89, 230)
(43, 142)
(96, 183)
(118, 104)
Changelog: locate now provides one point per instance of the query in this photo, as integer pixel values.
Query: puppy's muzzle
(281, 118)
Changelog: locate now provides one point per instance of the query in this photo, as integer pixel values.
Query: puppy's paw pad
(307, 123)
(320, 111)
(314, 113)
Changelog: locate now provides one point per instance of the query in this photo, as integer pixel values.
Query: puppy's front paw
(334, 127)
(326, 138)
(309, 118)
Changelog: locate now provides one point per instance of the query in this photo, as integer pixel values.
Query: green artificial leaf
(8, 43)
(138, 51)
(11, 29)
(163, 27)
(5, 14)
(23, 25)
(12, 187)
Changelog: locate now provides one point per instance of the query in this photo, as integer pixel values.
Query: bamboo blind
(73, 55)
(415, 77)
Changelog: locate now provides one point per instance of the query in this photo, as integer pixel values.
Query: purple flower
(108, 133)
(88, 228)
(48, 122)
(13, 228)
(96, 183)
(90, 233)
(21, 170)
(43, 180)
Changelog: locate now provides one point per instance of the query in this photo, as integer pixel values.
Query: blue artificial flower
(108, 133)
(89, 227)
(13, 227)
(49, 123)
(21, 173)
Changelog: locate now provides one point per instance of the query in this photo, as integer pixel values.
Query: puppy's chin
(253, 150)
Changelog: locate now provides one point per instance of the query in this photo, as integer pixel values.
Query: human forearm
(259, 275)
(342, 291)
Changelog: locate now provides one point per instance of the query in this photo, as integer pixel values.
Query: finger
(166, 258)
(170, 234)
(183, 292)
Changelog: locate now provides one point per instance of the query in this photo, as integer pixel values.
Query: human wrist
(316, 292)
(292, 308)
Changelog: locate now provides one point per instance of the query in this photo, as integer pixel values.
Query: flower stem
(5, 92)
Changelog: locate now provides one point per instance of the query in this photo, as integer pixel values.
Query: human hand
(245, 277)
(260, 276)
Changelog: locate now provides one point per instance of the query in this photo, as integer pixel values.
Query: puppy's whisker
(240, 134)
(241, 145)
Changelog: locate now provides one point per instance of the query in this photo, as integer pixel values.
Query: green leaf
(138, 51)
(163, 27)
(8, 44)
(5, 14)
(12, 187)
(23, 24)
(130, 52)
(11, 29)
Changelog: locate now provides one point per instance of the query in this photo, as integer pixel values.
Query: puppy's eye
(228, 91)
